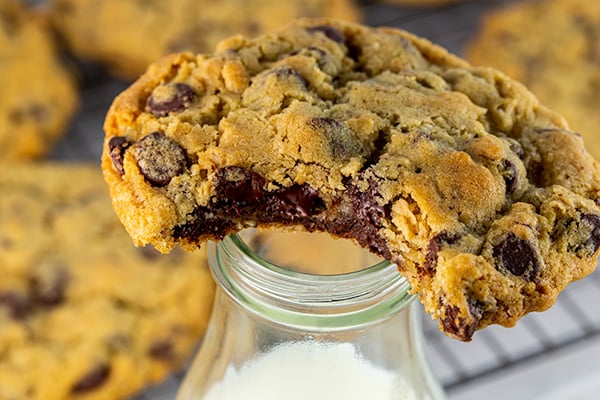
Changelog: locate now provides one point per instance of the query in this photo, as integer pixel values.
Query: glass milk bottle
(323, 333)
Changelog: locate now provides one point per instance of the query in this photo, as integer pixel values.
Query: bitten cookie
(102, 30)
(553, 46)
(38, 94)
(83, 313)
(482, 196)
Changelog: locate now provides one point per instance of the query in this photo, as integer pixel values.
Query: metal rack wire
(494, 350)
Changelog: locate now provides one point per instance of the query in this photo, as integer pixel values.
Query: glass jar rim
(304, 300)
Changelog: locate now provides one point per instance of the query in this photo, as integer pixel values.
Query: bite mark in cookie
(455, 173)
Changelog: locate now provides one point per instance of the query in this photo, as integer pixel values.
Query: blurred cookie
(128, 35)
(38, 94)
(83, 313)
(553, 46)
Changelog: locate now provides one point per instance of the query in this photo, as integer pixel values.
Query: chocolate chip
(329, 31)
(286, 72)
(592, 222)
(170, 98)
(367, 210)
(116, 149)
(435, 245)
(509, 173)
(29, 112)
(17, 303)
(366, 206)
(159, 158)
(49, 291)
(298, 201)
(92, 379)
(517, 256)
(341, 141)
(460, 327)
(240, 187)
(203, 221)
(162, 350)
(516, 148)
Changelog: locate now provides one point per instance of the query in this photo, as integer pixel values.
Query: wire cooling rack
(573, 321)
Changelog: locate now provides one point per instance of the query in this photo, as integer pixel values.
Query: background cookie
(129, 35)
(553, 46)
(38, 94)
(82, 311)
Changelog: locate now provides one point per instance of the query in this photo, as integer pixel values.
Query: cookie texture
(38, 94)
(482, 196)
(560, 65)
(83, 313)
(102, 30)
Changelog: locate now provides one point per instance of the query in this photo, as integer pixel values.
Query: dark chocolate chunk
(92, 379)
(593, 241)
(460, 327)
(516, 148)
(203, 221)
(298, 201)
(323, 58)
(435, 245)
(517, 256)
(286, 72)
(49, 292)
(366, 209)
(17, 303)
(116, 148)
(329, 31)
(509, 173)
(365, 204)
(29, 112)
(240, 187)
(159, 158)
(170, 98)
(162, 350)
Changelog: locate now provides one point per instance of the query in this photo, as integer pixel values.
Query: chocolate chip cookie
(482, 196)
(553, 46)
(128, 35)
(84, 313)
(38, 94)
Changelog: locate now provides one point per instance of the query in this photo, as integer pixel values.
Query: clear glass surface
(290, 321)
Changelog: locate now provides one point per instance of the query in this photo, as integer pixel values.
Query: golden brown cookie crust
(484, 198)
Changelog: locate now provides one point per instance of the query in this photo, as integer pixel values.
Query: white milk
(310, 371)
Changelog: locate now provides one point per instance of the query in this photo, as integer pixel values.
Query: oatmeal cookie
(84, 313)
(483, 197)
